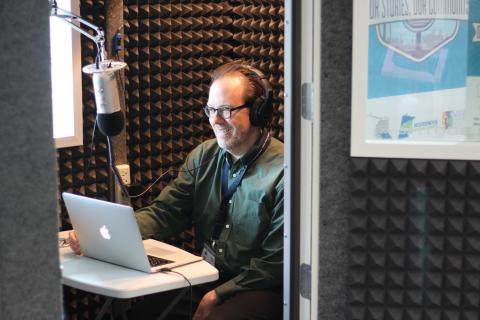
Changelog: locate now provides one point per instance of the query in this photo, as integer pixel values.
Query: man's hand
(73, 242)
(209, 300)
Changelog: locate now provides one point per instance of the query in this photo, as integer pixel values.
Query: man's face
(232, 134)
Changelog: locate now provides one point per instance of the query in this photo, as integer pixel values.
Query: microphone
(110, 117)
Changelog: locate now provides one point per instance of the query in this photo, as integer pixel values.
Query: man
(231, 189)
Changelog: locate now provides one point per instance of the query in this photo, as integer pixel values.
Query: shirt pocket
(250, 221)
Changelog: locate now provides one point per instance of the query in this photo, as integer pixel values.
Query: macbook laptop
(109, 232)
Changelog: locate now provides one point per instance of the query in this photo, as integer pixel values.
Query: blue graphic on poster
(406, 126)
(423, 70)
(403, 61)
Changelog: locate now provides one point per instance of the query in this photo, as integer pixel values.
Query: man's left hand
(209, 300)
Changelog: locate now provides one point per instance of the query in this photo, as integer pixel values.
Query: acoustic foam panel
(170, 50)
(414, 240)
(258, 37)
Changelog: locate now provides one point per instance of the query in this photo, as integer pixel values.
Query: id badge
(208, 254)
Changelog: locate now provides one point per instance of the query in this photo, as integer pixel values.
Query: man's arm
(169, 214)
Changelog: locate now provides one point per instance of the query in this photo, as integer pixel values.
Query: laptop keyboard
(156, 261)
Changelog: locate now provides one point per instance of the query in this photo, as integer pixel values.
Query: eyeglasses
(224, 111)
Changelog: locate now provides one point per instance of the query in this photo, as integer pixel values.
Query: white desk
(118, 282)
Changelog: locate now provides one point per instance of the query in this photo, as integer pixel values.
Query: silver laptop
(109, 232)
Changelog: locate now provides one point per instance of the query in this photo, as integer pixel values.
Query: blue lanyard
(229, 190)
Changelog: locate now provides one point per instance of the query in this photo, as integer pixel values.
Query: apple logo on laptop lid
(104, 232)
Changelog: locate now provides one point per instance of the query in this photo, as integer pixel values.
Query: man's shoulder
(206, 148)
(271, 161)
(275, 151)
(277, 146)
(210, 143)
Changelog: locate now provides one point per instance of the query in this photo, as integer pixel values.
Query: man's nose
(217, 118)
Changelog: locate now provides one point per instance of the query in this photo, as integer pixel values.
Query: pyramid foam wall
(414, 247)
(170, 49)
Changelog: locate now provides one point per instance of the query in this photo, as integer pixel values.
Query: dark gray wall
(413, 249)
(336, 55)
(29, 272)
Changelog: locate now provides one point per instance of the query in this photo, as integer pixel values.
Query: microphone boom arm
(110, 118)
(104, 73)
(69, 17)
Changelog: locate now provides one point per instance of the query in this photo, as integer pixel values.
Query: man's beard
(225, 137)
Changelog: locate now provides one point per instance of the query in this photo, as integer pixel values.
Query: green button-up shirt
(250, 246)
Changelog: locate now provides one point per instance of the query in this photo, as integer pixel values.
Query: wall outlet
(124, 171)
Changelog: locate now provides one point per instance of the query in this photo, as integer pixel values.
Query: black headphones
(261, 108)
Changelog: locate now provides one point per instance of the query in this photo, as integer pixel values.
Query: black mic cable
(168, 270)
(111, 161)
(120, 181)
(127, 194)
(118, 178)
(175, 170)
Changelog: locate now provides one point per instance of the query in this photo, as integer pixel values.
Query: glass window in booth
(66, 79)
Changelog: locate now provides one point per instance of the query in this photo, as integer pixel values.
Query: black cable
(191, 171)
(124, 189)
(166, 270)
(92, 146)
(173, 170)
(114, 169)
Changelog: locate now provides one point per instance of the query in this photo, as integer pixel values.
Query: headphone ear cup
(267, 106)
(256, 112)
(261, 110)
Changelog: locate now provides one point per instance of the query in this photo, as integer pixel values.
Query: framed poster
(416, 79)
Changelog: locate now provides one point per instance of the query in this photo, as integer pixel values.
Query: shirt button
(220, 250)
(227, 226)
(234, 175)
(230, 201)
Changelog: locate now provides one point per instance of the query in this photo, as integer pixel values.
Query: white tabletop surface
(118, 282)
